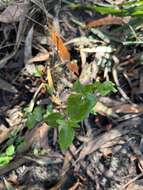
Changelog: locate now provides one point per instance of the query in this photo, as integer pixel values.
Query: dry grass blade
(41, 5)
(4, 85)
(28, 46)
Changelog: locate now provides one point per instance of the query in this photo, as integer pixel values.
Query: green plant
(35, 117)
(7, 156)
(79, 105)
(132, 8)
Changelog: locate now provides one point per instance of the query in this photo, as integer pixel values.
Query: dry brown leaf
(105, 21)
(50, 79)
(37, 136)
(39, 57)
(14, 12)
(73, 67)
(4, 133)
(62, 49)
(126, 108)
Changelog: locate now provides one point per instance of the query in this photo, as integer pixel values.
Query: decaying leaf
(105, 21)
(14, 12)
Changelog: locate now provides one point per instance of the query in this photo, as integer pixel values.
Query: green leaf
(73, 124)
(79, 106)
(105, 87)
(31, 121)
(84, 89)
(77, 87)
(4, 160)
(68, 122)
(103, 9)
(10, 150)
(132, 8)
(38, 113)
(35, 117)
(52, 119)
(37, 72)
(66, 137)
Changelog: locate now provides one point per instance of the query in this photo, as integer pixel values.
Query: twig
(115, 76)
(131, 181)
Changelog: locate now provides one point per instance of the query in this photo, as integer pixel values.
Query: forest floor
(45, 47)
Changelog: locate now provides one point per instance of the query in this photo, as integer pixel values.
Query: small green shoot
(7, 156)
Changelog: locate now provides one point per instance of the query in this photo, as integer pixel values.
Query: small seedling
(7, 156)
(80, 104)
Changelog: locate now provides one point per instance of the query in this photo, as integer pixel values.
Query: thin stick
(131, 181)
